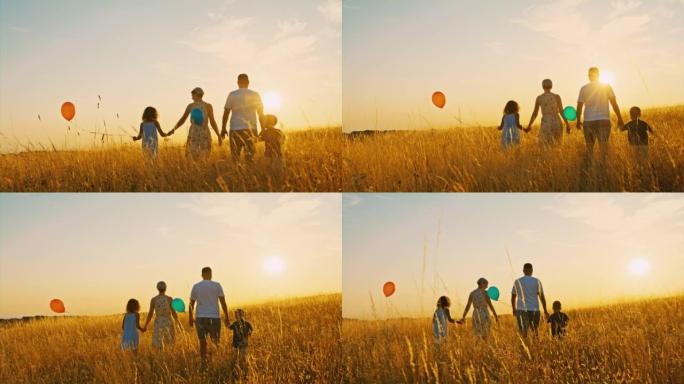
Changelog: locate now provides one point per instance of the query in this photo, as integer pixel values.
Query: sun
(607, 77)
(272, 101)
(639, 267)
(274, 266)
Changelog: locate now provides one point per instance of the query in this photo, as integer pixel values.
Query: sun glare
(639, 267)
(272, 101)
(607, 77)
(274, 266)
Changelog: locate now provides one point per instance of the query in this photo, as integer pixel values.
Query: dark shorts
(527, 320)
(207, 326)
(243, 139)
(597, 130)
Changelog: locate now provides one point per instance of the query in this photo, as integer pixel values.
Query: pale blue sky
(136, 54)
(483, 53)
(581, 245)
(95, 251)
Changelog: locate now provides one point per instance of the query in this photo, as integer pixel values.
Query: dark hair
(482, 280)
(150, 114)
(243, 77)
(206, 270)
(527, 266)
(443, 302)
(511, 107)
(556, 304)
(636, 110)
(132, 306)
(270, 120)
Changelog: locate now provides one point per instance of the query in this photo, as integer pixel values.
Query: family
(526, 295)
(243, 108)
(594, 102)
(204, 316)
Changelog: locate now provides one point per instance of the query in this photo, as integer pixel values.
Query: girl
(130, 327)
(480, 301)
(439, 320)
(510, 125)
(164, 327)
(199, 136)
(148, 132)
(551, 131)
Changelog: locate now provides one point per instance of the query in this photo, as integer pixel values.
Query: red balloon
(388, 288)
(57, 306)
(68, 110)
(438, 99)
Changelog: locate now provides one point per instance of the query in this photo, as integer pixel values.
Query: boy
(558, 320)
(242, 330)
(637, 134)
(273, 137)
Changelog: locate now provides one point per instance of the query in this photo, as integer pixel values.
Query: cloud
(226, 38)
(331, 10)
(289, 27)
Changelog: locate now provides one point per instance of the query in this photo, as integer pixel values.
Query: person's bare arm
(616, 108)
(212, 120)
(542, 298)
(467, 308)
(191, 310)
(513, 297)
(580, 107)
(534, 115)
(159, 130)
(517, 121)
(149, 314)
(137, 322)
(224, 122)
(559, 103)
(448, 315)
(501, 125)
(491, 307)
(183, 118)
(224, 307)
(260, 114)
(173, 312)
(123, 323)
(140, 133)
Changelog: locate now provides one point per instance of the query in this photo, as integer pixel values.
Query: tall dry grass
(294, 341)
(470, 159)
(641, 342)
(312, 159)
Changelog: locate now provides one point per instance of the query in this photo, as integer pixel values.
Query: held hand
(461, 321)
(567, 127)
(135, 138)
(227, 322)
(192, 322)
(579, 124)
(546, 314)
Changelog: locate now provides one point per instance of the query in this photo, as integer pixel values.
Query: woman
(480, 301)
(551, 106)
(199, 137)
(164, 328)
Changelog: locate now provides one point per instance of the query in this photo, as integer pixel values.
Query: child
(130, 326)
(273, 137)
(510, 125)
(440, 318)
(558, 320)
(148, 132)
(242, 330)
(637, 134)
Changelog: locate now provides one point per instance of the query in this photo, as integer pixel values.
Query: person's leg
(235, 145)
(521, 319)
(250, 146)
(200, 324)
(603, 134)
(215, 331)
(534, 317)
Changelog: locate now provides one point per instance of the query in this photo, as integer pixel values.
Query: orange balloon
(68, 110)
(388, 289)
(57, 306)
(438, 99)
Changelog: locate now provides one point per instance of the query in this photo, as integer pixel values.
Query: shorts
(527, 320)
(597, 130)
(209, 326)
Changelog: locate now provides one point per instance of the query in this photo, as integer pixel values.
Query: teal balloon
(197, 116)
(178, 305)
(493, 293)
(570, 113)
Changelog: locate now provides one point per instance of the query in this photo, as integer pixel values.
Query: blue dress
(440, 325)
(150, 139)
(510, 134)
(130, 338)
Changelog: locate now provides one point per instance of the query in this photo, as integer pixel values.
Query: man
(245, 105)
(207, 294)
(596, 96)
(525, 296)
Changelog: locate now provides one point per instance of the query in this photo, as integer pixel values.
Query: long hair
(444, 302)
(511, 107)
(150, 114)
(132, 306)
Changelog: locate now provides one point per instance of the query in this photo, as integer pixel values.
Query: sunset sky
(587, 249)
(96, 251)
(483, 53)
(134, 54)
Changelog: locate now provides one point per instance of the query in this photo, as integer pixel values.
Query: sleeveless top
(130, 332)
(548, 104)
(162, 308)
(199, 136)
(510, 133)
(150, 136)
(480, 310)
(440, 325)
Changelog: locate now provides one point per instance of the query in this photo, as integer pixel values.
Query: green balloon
(570, 113)
(178, 305)
(493, 293)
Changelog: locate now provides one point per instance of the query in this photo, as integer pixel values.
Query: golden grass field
(640, 342)
(294, 341)
(312, 159)
(470, 159)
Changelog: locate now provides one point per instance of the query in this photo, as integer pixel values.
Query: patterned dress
(481, 321)
(199, 136)
(164, 331)
(551, 131)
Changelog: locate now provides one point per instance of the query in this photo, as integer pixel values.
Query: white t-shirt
(526, 290)
(596, 98)
(206, 293)
(244, 105)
